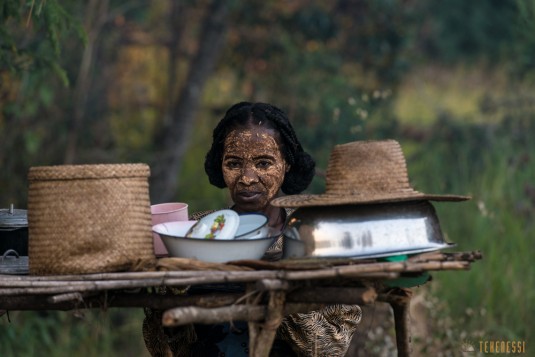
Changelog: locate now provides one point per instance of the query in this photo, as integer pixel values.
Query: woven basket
(88, 218)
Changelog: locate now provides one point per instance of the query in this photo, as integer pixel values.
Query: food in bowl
(220, 224)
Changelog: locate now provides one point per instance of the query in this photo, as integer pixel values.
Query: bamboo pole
(255, 274)
(66, 297)
(21, 287)
(452, 256)
(192, 314)
(355, 270)
(136, 275)
(53, 287)
(247, 312)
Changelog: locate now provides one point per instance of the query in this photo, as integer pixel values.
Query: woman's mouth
(248, 196)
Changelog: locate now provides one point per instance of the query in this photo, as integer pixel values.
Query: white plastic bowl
(210, 250)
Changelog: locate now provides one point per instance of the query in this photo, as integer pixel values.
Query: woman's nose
(248, 176)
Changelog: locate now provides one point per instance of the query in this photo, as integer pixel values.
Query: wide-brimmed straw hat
(364, 172)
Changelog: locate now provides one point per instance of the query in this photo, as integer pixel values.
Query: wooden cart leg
(402, 321)
(262, 335)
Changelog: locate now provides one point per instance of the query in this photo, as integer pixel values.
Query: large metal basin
(363, 231)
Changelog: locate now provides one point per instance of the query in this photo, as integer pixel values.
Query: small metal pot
(14, 230)
(13, 264)
(363, 231)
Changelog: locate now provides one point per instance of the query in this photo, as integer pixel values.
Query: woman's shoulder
(200, 214)
(289, 211)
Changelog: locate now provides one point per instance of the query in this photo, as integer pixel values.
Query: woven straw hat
(363, 172)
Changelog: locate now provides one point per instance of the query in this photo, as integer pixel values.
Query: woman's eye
(233, 164)
(263, 164)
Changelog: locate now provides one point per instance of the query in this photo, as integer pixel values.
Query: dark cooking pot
(12, 263)
(14, 231)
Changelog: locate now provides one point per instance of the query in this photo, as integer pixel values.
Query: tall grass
(81, 333)
(496, 298)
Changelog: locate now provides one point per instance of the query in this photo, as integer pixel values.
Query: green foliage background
(451, 80)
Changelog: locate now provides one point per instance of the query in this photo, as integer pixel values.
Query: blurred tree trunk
(173, 139)
(95, 19)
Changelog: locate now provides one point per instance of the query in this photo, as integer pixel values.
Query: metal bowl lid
(11, 218)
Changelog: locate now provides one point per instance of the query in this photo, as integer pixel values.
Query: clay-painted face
(253, 167)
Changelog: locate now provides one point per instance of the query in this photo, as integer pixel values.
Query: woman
(255, 153)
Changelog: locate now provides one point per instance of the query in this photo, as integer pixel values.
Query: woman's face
(253, 167)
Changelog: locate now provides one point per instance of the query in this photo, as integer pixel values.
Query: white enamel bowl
(209, 250)
(252, 225)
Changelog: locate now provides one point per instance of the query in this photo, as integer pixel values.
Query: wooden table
(272, 290)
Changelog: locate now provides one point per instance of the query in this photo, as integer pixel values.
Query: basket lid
(97, 171)
(11, 218)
